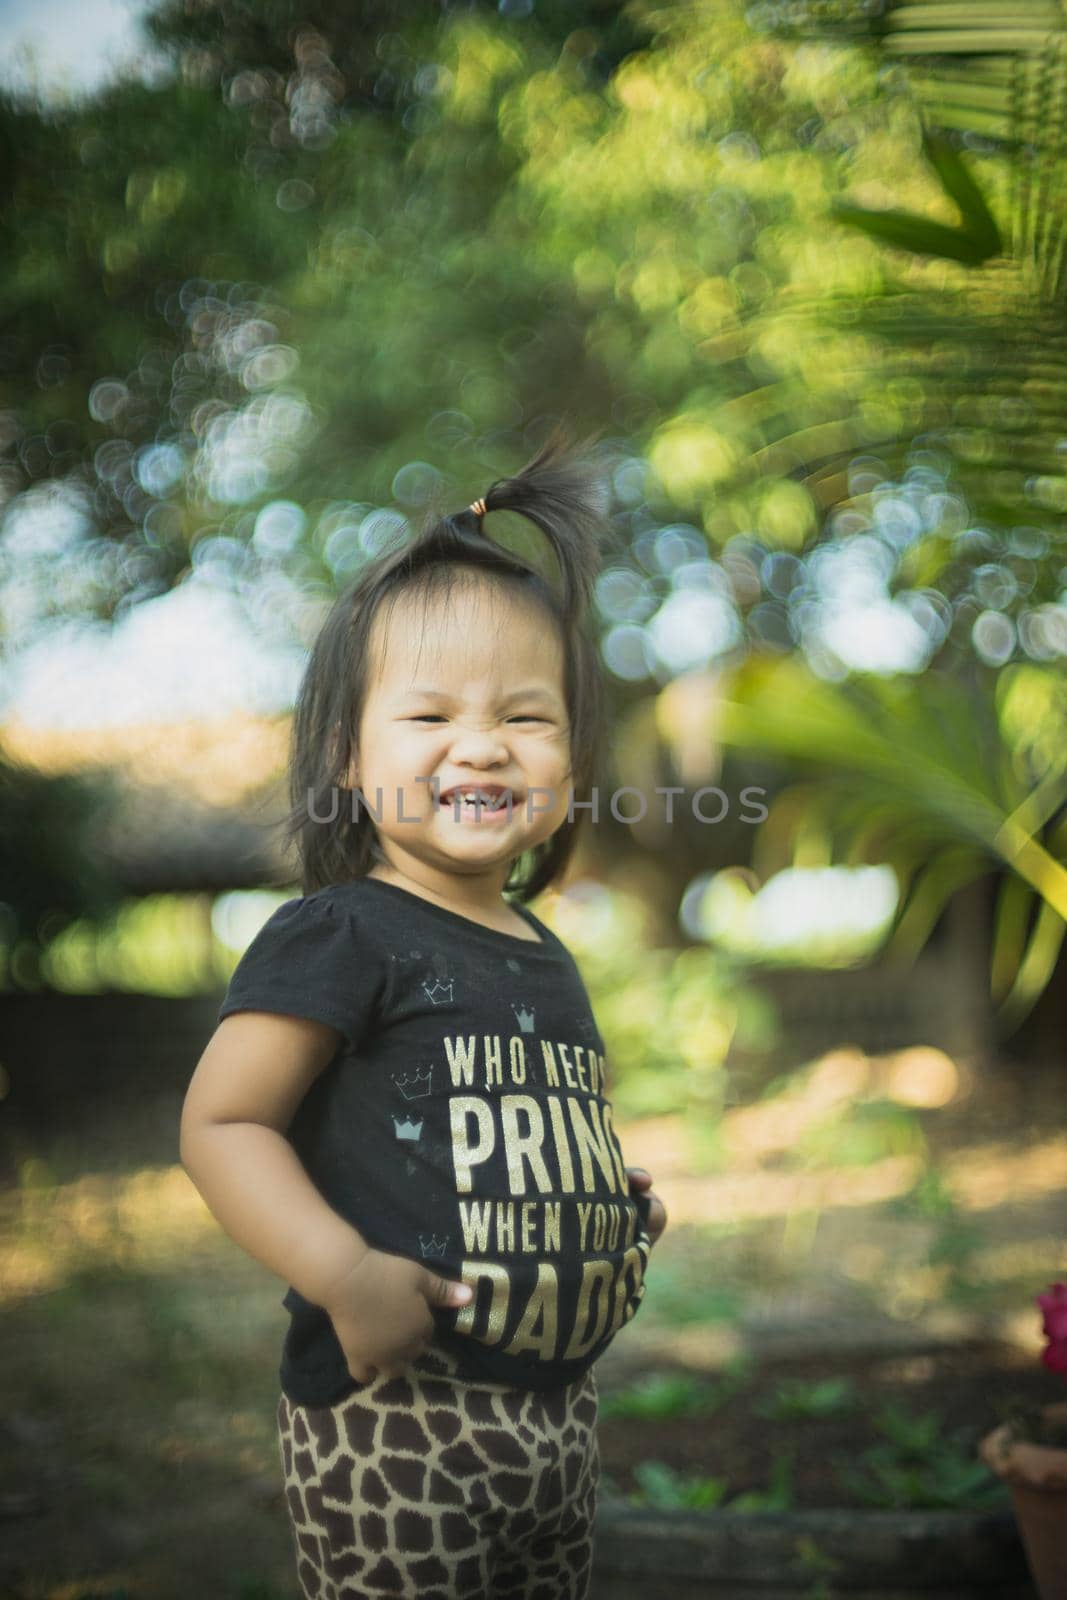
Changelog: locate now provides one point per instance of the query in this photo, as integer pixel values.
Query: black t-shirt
(463, 1123)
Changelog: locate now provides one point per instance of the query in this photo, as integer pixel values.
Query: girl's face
(466, 695)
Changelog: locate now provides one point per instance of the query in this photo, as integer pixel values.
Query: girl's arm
(244, 1093)
(247, 1085)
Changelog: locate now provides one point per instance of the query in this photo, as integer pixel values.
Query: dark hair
(561, 492)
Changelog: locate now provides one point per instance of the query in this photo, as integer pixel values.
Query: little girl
(403, 1111)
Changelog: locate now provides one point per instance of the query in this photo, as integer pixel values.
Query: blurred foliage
(175, 945)
(668, 1394)
(478, 215)
(797, 1397)
(777, 1496)
(917, 1465)
(155, 944)
(937, 781)
(952, 1261)
(668, 1016)
(664, 1487)
(989, 81)
(686, 1297)
(859, 1135)
(377, 63)
(804, 266)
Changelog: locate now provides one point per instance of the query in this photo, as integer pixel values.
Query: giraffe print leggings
(429, 1488)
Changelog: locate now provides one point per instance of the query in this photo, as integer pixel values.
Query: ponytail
(561, 491)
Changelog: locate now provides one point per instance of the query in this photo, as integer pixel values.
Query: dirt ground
(882, 1224)
(827, 1456)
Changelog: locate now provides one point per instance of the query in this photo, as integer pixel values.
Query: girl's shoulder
(322, 905)
(328, 921)
(344, 900)
(315, 956)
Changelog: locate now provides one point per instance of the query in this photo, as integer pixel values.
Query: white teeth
(471, 797)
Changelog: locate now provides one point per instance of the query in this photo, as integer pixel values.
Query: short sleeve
(312, 958)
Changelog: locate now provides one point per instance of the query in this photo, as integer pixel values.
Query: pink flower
(1054, 1312)
(1054, 1356)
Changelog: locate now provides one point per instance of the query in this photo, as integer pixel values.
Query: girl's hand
(382, 1312)
(657, 1215)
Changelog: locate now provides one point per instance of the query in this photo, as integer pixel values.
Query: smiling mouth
(474, 798)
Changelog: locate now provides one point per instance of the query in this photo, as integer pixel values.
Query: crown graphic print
(438, 991)
(525, 1018)
(414, 1084)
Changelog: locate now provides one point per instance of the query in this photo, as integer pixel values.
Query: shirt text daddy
(552, 1143)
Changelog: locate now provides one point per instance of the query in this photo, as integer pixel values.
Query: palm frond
(933, 886)
(1015, 900)
(972, 242)
(913, 773)
(1036, 967)
(992, 69)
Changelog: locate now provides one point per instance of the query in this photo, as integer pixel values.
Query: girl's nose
(480, 744)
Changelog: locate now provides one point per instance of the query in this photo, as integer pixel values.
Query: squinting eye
(435, 716)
